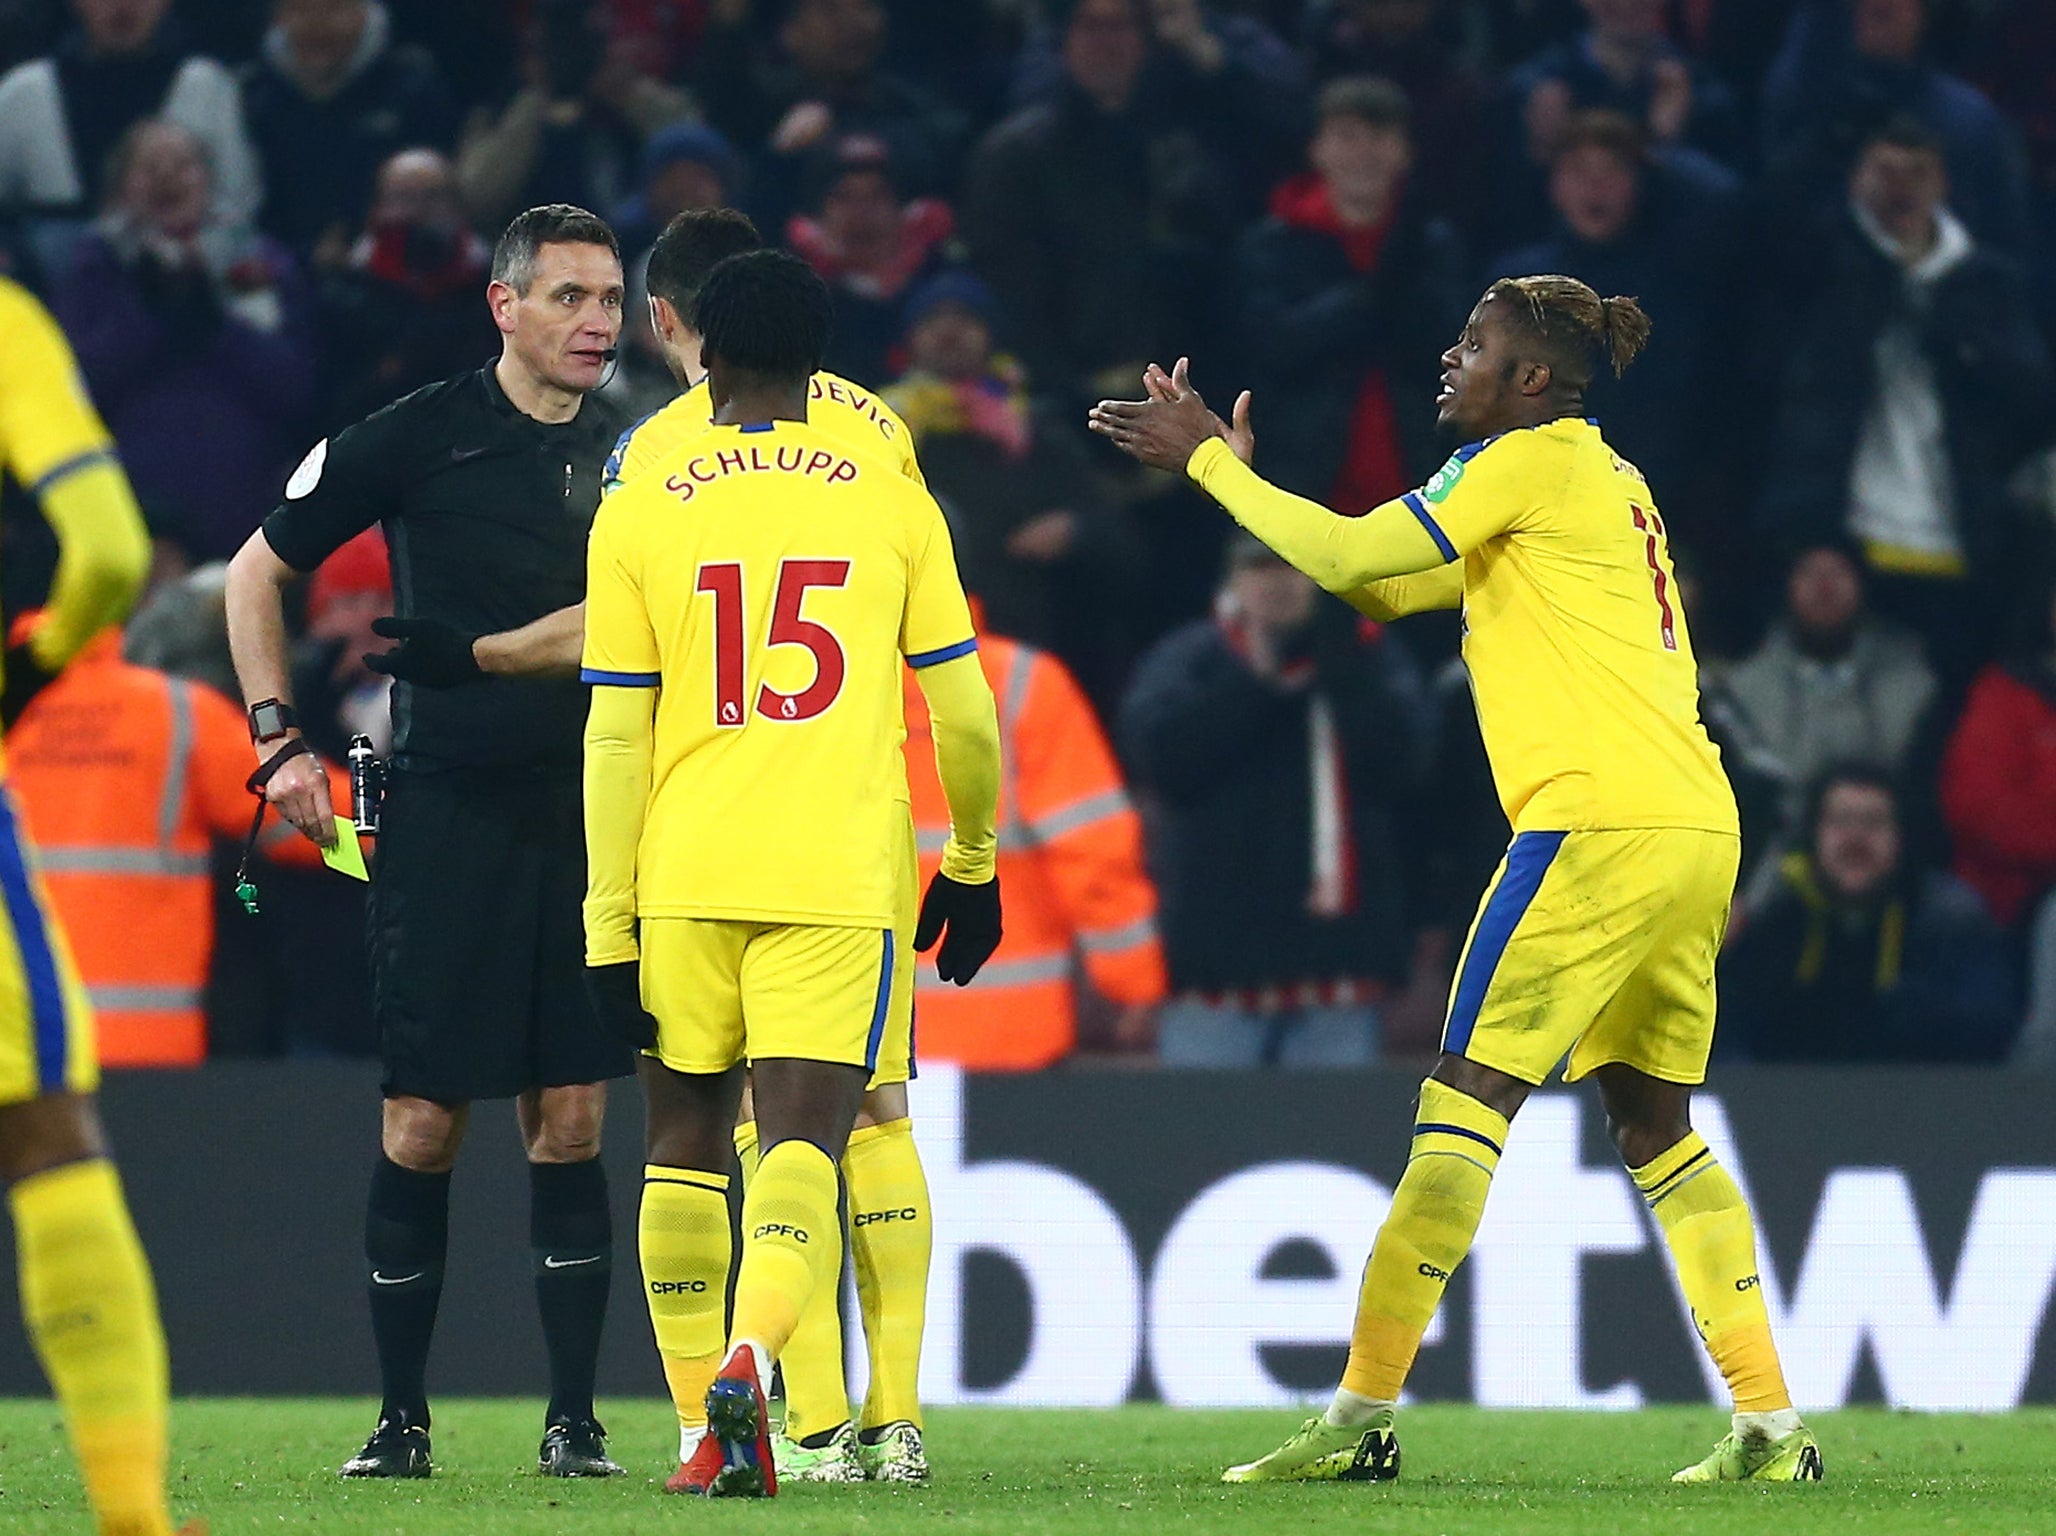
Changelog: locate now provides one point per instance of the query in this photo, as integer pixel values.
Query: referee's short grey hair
(551, 224)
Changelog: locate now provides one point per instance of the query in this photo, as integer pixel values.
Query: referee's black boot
(397, 1448)
(575, 1448)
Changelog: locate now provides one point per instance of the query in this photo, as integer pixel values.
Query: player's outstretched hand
(1164, 430)
(431, 654)
(966, 919)
(616, 991)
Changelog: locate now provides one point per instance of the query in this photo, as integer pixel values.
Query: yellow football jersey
(48, 427)
(1579, 656)
(849, 412)
(768, 581)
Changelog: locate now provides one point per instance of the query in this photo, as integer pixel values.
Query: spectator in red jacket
(1999, 782)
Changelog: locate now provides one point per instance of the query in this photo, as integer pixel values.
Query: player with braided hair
(1596, 938)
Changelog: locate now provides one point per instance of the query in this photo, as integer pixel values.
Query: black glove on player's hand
(25, 678)
(430, 653)
(966, 919)
(616, 991)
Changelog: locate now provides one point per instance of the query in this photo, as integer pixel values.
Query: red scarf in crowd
(1373, 469)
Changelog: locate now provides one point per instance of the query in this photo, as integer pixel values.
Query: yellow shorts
(725, 991)
(1599, 945)
(46, 1023)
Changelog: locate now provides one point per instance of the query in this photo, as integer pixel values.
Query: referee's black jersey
(486, 513)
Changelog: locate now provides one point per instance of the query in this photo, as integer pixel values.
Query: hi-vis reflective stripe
(1008, 973)
(94, 860)
(1106, 941)
(172, 804)
(144, 999)
(1079, 813)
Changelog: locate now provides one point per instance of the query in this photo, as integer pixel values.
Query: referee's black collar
(496, 398)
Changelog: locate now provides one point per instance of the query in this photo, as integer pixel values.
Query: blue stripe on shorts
(1527, 861)
(880, 1008)
(38, 957)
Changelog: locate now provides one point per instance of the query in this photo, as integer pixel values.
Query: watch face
(267, 720)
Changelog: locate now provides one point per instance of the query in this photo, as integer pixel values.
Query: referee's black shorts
(477, 939)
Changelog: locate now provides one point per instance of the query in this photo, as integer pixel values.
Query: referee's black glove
(616, 991)
(430, 653)
(966, 919)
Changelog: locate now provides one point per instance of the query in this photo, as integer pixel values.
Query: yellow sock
(891, 1236)
(91, 1309)
(683, 1236)
(1434, 1216)
(1713, 1242)
(790, 1233)
(817, 1397)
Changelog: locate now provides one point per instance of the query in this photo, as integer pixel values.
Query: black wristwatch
(270, 719)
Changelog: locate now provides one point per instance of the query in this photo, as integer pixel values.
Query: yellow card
(348, 853)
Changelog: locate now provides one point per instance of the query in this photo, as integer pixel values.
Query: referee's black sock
(406, 1234)
(571, 1230)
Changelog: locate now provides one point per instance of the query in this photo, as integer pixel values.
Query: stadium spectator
(1054, 564)
(404, 310)
(1829, 684)
(1861, 956)
(1070, 861)
(196, 338)
(787, 91)
(870, 244)
(182, 628)
(1914, 381)
(126, 778)
(573, 129)
(1999, 779)
(1847, 67)
(1098, 212)
(1278, 742)
(62, 116)
(1625, 62)
(339, 696)
(331, 100)
(1418, 45)
(1346, 295)
(1631, 222)
(684, 165)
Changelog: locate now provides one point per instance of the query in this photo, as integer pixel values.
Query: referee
(486, 485)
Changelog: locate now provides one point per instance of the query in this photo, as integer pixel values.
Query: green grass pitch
(267, 1465)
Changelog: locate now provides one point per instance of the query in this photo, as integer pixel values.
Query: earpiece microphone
(610, 354)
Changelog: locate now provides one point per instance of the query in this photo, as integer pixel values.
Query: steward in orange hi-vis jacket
(1070, 861)
(126, 776)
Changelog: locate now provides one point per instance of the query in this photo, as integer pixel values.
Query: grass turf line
(251, 1465)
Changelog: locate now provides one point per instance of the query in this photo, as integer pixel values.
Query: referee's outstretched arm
(255, 595)
(431, 654)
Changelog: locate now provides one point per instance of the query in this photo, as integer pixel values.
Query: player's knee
(421, 1136)
(1645, 1133)
(46, 1133)
(568, 1133)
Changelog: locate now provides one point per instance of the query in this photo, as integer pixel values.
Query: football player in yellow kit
(749, 604)
(1596, 938)
(818, 1441)
(87, 1295)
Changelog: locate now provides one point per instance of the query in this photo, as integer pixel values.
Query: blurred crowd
(1248, 825)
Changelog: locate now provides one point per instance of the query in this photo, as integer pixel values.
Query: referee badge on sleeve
(308, 475)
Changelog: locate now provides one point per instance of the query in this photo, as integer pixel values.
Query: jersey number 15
(723, 581)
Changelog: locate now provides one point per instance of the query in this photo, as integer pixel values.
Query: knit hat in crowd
(959, 287)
